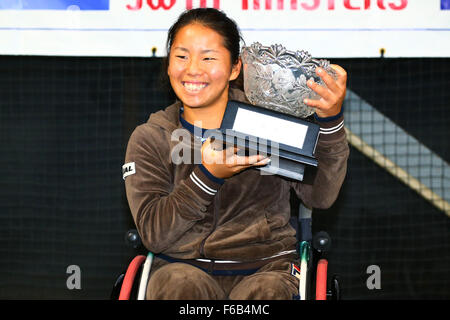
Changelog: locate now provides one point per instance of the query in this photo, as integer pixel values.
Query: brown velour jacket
(183, 211)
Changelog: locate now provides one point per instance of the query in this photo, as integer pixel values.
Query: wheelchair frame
(314, 282)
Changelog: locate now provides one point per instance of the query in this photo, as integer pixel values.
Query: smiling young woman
(200, 69)
(218, 229)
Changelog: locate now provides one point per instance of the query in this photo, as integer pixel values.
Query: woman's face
(200, 67)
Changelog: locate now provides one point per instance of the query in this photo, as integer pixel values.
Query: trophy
(275, 78)
(275, 124)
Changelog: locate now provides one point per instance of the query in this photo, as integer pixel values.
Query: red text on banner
(331, 4)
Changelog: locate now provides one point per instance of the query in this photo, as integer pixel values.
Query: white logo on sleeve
(128, 169)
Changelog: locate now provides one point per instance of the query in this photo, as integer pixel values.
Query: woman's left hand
(332, 95)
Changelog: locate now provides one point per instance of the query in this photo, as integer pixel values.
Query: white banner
(325, 28)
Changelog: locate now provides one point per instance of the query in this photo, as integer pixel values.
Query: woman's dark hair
(210, 18)
(213, 19)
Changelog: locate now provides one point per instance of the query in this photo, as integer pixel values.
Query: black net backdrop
(377, 220)
(64, 125)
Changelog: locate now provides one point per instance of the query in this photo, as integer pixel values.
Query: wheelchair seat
(314, 282)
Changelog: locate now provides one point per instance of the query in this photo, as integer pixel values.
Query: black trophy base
(285, 168)
(283, 163)
(288, 159)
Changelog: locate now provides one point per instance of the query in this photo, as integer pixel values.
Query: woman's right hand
(224, 163)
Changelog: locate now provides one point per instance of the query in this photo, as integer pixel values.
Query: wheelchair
(312, 249)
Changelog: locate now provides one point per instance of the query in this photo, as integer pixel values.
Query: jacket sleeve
(332, 152)
(163, 211)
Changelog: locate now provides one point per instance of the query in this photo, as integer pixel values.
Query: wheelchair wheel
(335, 292)
(144, 276)
(130, 276)
(321, 280)
(305, 251)
(115, 292)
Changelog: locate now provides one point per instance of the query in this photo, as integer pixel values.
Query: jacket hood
(168, 119)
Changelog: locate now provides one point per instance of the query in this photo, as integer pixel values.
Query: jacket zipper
(216, 205)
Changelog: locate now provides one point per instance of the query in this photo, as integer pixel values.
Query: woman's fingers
(224, 163)
(341, 75)
(318, 104)
(262, 162)
(238, 160)
(329, 81)
(331, 95)
(322, 91)
(245, 162)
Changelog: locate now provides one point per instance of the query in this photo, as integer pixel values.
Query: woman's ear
(236, 70)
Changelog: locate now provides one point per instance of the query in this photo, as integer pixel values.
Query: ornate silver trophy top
(275, 78)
